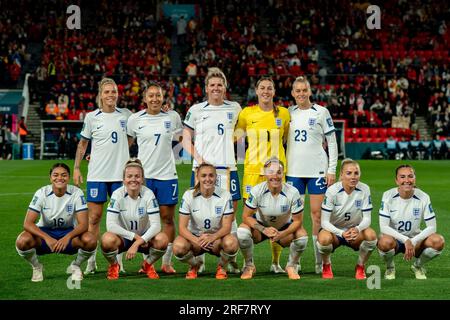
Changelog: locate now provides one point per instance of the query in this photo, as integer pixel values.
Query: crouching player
(206, 216)
(273, 210)
(133, 223)
(345, 219)
(62, 226)
(401, 213)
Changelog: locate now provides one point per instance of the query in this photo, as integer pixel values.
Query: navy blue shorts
(343, 242)
(166, 191)
(55, 234)
(234, 185)
(98, 191)
(314, 185)
(127, 244)
(264, 237)
(400, 248)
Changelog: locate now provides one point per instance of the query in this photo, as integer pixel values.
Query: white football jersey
(206, 213)
(274, 211)
(346, 210)
(134, 216)
(58, 212)
(214, 132)
(406, 214)
(154, 135)
(305, 155)
(109, 144)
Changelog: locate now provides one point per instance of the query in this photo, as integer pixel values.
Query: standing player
(309, 167)
(401, 213)
(266, 127)
(206, 216)
(346, 217)
(133, 223)
(155, 130)
(106, 129)
(62, 226)
(208, 136)
(273, 210)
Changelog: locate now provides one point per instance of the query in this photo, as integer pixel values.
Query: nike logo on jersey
(140, 127)
(253, 122)
(393, 210)
(204, 118)
(99, 127)
(195, 210)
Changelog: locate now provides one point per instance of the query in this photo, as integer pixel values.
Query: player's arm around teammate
(401, 213)
(274, 211)
(205, 219)
(346, 218)
(133, 223)
(309, 167)
(57, 206)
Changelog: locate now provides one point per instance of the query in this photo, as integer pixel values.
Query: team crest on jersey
(123, 124)
(358, 204)
(330, 122)
(278, 122)
(430, 208)
(141, 211)
(416, 212)
(219, 211)
(94, 192)
(230, 115)
(111, 203)
(167, 124)
(188, 116)
(69, 208)
(284, 208)
(35, 199)
(312, 122)
(299, 203)
(83, 200)
(155, 203)
(370, 200)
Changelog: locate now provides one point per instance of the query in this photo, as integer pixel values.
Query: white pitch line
(15, 194)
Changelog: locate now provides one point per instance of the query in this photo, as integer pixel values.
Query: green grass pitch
(20, 179)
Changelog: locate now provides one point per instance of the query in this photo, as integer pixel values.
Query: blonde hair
(273, 160)
(216, 73)
(134, 163)
(276, 110)
(201, 166)
(348, 161)
(302, 79)
(101, 84)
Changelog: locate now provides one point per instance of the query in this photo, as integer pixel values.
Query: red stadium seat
(378, 139)
(374, 133)
(364, 132)
(382, 133)
(355, 132)
(392, 132)
(348, 133)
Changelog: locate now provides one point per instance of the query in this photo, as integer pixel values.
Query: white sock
(167, 257)
(296, 249)
(144, 256)
(154, 255)
(317, 254)
(188, 258)
(92, 259)
(82, 256)
(111, 257)
(225, 257)
(30, 256)
(365, 249)
(388, 258)
(246, 245)
(325, 252)
(426, 255)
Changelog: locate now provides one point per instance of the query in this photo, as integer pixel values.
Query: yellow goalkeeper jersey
(265, 133)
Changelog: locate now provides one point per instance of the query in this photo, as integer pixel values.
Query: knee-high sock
(188, 258)
(388, 258)
(296, 249)
(111, 257)
(246, 244)
(325, 252)
(154, 255)
(426, 255)
(226, 257)
(82, 256)
(365, 249)
(167, 257)
(317, 254)
(29, 255)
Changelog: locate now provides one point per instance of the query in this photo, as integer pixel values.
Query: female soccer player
(401, 213)
(273, 210)
(133, 223)
(346, 217)
(266, 127)
(208, 136)
(308, 166)
(106, 129)
(155, 130)
(62, 226)
(206, 216)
